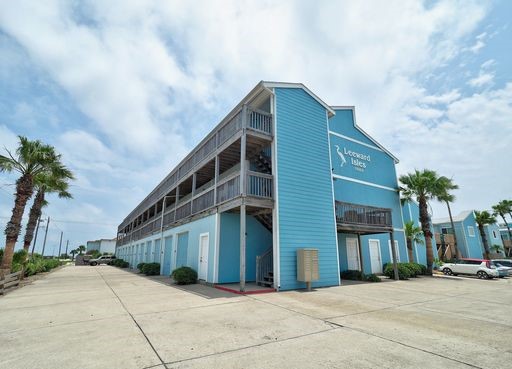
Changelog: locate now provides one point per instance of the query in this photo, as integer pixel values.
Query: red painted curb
(243, 293)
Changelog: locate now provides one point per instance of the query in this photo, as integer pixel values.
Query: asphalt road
(104, 317)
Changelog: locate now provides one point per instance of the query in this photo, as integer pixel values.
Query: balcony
(362, 219)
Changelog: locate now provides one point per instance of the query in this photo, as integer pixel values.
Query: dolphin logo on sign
(342, 157)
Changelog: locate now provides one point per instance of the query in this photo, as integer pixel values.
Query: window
(446, 230)
(471, 231)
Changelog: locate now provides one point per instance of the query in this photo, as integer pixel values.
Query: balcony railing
(256, 120)
(362, 216)
(258, 185)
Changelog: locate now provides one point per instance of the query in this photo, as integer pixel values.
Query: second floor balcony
(362, 219)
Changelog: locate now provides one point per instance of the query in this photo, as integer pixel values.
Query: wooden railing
(361, 215)
(265, 267)
(259, 184)
(257, 120)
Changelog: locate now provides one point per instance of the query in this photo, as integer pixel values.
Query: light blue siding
(343, 123)
(411, 211)
(306, 213)
(258, 240)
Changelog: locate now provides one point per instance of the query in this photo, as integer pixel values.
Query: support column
(242, 246)
(360, 252)
(216, 179)
(243, 148)
(393, 253)
(176, 201)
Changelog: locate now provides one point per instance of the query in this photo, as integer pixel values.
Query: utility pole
(67, 244)
(35, 237)
(60, 243)
(45, 234)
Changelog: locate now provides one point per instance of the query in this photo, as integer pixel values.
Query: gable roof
(375, 142)
(458, 218)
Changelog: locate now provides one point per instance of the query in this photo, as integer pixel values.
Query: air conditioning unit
(307, 266)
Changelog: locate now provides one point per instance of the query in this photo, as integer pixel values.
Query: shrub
(151, 269)
(140, 266)
(372, 278)
(184, 275)
(353, 275)
(120, 263)
(404, 272)
(125, 264)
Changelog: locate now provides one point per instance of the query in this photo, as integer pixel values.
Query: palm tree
(81, 249)
(502, 208)
(46, 182)
(413, 235)
(484, 218)
(30, 159)
(423, 186)
(73, 253)
(446, 185)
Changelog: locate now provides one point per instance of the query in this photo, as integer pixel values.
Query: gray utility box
(307, 266)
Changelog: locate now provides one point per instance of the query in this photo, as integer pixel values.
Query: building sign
(357, 160)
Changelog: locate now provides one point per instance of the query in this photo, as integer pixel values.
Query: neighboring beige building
(103, 245)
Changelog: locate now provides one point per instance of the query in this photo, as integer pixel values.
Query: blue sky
(125, 89)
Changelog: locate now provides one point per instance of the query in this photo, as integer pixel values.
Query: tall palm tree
(446, 185)
(73, 253)
(413, 235)
(484, 218)
(502, 209)
(46, 182)
(81, 249)
(423, 186)
(30, 159)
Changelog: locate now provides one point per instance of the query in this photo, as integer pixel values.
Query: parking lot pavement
(104, 317)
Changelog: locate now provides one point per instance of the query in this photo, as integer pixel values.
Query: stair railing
(264, 266)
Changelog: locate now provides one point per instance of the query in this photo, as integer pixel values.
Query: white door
(375, 258)
(397, 251)
(203, 256)
(353, 254)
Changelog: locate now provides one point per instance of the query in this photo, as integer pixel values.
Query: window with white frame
(471, 231)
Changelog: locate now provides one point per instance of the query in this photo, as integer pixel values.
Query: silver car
(103, 259)
(483, 269)
(504, 263)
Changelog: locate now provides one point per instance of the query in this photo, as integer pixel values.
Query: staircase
(263, 162)
(265, 219)
(265, 269)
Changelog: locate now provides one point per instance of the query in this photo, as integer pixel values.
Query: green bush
(40, 265)
(353, 275)
(120, 263)
(140, 266)
(184, 275)
(151, 269)
(371, 278)
(404, 272)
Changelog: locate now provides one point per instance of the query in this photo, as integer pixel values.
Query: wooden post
(35, 238)
(242, 246)
(60, 244)
(393, 253)
(243, 148)
(360, 252)
(45, 234)
(216, 179)
(176, 202)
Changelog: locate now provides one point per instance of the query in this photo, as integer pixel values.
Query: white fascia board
(271, 85)
(351, 107)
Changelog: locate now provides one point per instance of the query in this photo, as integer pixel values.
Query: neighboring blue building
(283, 171)
(469, 242)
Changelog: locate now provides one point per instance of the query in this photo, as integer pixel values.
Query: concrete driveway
(104, 317)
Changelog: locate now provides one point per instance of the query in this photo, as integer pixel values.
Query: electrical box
(307, 265)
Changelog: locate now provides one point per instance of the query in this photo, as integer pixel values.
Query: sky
(125, 89)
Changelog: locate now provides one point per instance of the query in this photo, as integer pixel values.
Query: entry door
(166, 267)
(204, 243)
(375, 258)
(353, 254)
(156, 256)
(182, 250)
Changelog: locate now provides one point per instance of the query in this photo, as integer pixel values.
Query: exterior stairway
(265, 219)
(265, 269)
(263, 162)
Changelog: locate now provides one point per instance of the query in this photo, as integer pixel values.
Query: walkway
(104, 317)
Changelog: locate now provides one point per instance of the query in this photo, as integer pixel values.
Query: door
(182, 250)
(204, 243)
(353, 254)
(375, 258)
(166, 266)
(156, 256)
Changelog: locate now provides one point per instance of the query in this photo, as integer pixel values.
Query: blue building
(469, 241)
(281, 172)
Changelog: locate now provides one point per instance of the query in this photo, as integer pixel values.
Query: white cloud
(154, 77)
(481, 80)
(488, 64)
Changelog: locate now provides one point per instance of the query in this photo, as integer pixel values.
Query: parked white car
(483, 269)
